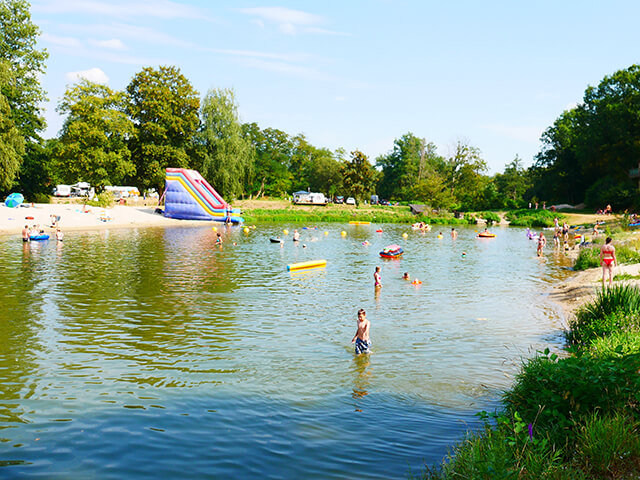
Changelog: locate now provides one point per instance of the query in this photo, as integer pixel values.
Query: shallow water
(152, 352)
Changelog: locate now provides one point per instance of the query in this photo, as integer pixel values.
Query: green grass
(589, 257)
(532, 218)
(607, 444)
(345, 216)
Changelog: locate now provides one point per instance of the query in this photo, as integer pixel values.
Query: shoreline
(73, 218)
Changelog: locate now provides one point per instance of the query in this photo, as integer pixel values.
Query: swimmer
(296, 236)
(218, 239)
(542, 242)
(406, 276)
(377, 279)
(454, 234)
(440, 235)
(25, 233)
(361, 338)
(59, 235)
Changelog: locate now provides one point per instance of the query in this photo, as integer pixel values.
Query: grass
(625, 253)
(532, 218)
(342, 215)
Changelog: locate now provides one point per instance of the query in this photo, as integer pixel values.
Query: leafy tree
(512, 184)
(11, 142)
(323, 172)
(164, 108)
(359, 176)
(18, 37)
(597, 139)
(271, 174)
(93, 143)
(410, 162)
(463, 174)
(228, 157)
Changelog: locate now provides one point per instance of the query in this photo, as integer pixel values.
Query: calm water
(153, 353)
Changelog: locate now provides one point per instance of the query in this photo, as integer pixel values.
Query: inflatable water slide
(188, 196)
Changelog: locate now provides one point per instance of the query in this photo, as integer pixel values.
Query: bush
(104, 200)
(42, 198)
(587, 258)
(532, 218)
(489, 217)
(511, 450)
(556, 393)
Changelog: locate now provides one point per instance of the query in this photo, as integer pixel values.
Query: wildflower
(530, 431)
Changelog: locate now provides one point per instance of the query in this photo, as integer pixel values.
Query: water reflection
(362, 377)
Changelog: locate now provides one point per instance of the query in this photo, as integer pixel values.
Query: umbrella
(14, 200)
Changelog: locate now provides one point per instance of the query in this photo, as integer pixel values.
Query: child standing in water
(377, 279)
(361, 338)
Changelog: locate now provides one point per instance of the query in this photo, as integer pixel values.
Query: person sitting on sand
(361, 338)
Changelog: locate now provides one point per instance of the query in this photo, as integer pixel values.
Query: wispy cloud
(164, 9)
(93, 75)
(289, 21)
(70, 42)
(113, 44)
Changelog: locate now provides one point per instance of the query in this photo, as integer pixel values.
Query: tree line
(159, 120)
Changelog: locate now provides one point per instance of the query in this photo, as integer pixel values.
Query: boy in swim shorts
(361, 338)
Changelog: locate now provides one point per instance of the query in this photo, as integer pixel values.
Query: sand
(73, 217)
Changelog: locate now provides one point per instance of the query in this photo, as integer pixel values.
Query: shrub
(489, 217)
(42, 198)
(617, 299)
(512, 449)
(587, 258)
(104, 200)
(615, 344)
(532, 218)
(555, 393)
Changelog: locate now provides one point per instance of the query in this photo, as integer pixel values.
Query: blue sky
(357, 74)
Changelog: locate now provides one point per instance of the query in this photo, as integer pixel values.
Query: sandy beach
(74, 217)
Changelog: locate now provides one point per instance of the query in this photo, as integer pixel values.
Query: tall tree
(11, 142)
(164, 108)
(359, 176)
(463, 174)
(18, 38)
(228, 155)
(271, 175)
(93, 144)
(512, 184)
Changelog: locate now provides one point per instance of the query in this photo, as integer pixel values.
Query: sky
(357, 74)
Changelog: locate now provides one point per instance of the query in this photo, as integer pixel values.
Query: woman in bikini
(608, 260)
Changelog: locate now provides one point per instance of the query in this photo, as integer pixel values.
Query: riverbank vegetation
(575, 416)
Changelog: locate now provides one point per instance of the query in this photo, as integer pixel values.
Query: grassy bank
(576, 417)
(255, 213)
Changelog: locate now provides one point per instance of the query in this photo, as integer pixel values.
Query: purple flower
(530, 431)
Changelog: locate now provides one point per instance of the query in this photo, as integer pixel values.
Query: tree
(359, 176)
(273, 148)
(11, 142)
(463, 174)
(18, 37)
(512, 184)
(164, 108)
(93, 144)
(228, 155)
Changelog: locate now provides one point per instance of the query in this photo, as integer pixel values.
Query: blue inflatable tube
(43, 236)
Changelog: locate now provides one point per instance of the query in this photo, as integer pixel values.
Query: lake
(132, 353)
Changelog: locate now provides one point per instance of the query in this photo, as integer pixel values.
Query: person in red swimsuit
(608, 260)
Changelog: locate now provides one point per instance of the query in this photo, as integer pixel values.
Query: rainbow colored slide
(188, 196)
